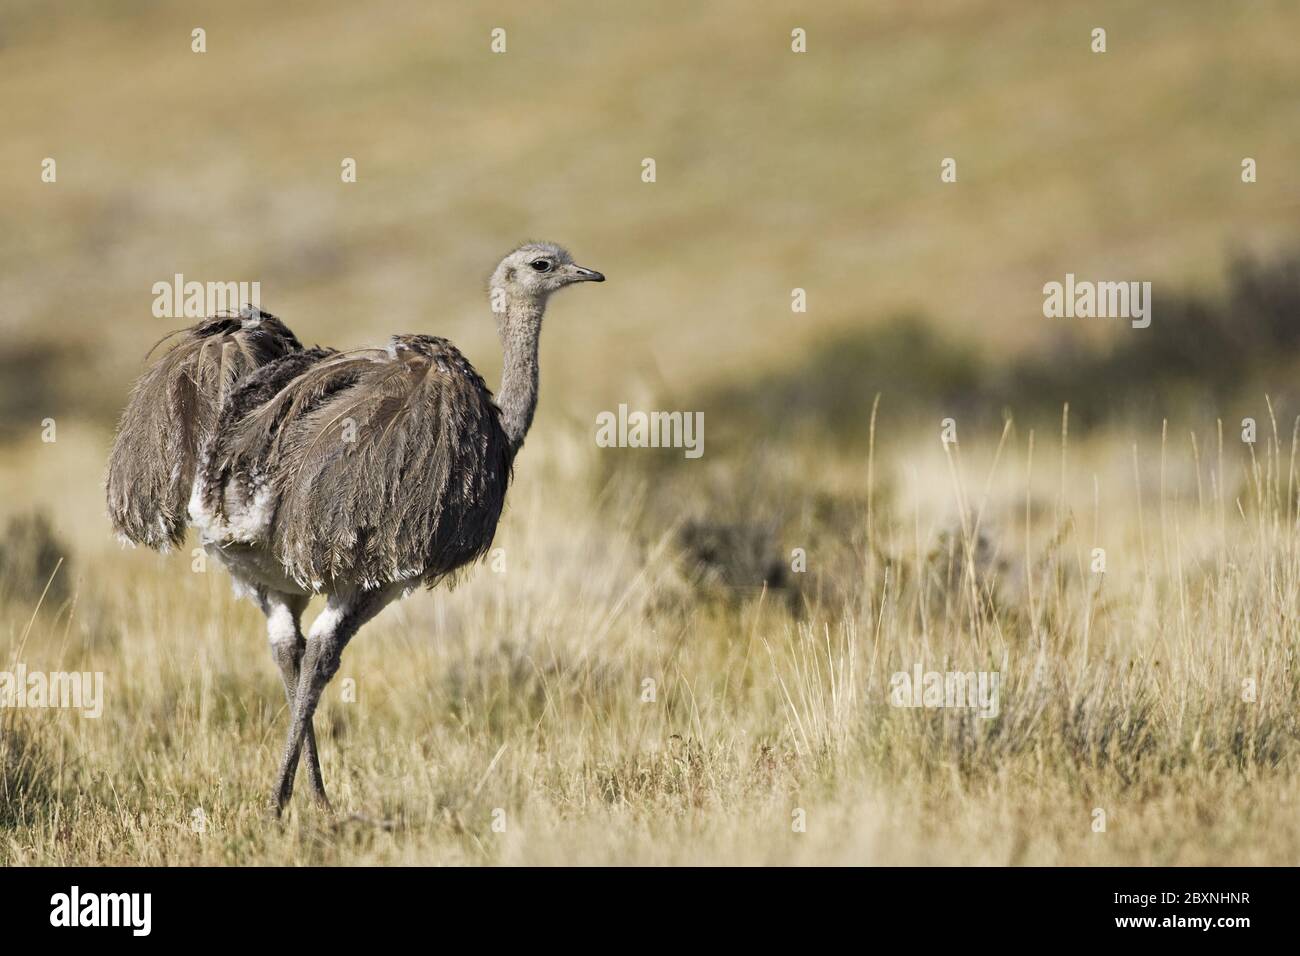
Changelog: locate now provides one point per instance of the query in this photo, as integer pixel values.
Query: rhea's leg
(330, 633)
(283, 614)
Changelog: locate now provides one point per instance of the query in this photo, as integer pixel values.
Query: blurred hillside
(1213, 356)
(775, 170)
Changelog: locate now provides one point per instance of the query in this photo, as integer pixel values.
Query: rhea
(359, 475)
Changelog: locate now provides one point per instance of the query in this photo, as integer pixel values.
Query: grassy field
(520, 698)
(672, 660)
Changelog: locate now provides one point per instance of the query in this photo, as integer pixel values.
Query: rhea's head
(535, 270)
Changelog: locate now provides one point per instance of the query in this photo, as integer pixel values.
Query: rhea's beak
(585, 275)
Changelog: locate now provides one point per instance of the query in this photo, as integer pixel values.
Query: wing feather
(388, 465)
(171, 413)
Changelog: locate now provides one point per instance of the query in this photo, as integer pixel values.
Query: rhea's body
(333, 471)
(359, 475)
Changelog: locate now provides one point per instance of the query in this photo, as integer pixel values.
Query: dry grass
(522, 691)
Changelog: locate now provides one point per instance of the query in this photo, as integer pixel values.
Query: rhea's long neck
(520, 331)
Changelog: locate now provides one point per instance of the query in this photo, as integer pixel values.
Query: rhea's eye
(541, 265)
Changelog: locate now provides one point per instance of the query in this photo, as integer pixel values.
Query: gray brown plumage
(359, 475)
(384, 465)
(171, 413)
